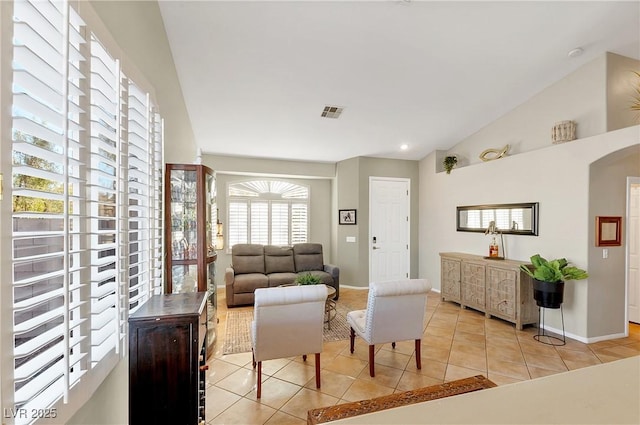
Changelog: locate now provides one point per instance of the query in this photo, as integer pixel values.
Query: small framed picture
(346, 216)
(608, 231)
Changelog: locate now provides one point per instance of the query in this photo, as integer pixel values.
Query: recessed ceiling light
(574, 53)
(404, 147)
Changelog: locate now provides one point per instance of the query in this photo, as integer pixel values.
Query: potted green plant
(307, 279)
(549, 277)
(449, 162)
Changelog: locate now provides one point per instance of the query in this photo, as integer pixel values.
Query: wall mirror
(510, 219)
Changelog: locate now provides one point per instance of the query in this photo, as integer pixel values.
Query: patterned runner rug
(237, 337)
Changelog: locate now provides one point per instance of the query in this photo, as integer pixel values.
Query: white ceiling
(256, 75)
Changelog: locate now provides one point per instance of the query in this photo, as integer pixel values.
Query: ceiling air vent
(331, 111)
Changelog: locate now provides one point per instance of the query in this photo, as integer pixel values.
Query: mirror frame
(534, 217)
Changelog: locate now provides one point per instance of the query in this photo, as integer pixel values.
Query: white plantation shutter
(299, 223)
(140, 167)
(279, 223)
(47, 195)
(503, 219)
(238, 224)
(156, 218)
(517, 219)
(86, 231)
(278, 212)
(104, 197)
(259, 227)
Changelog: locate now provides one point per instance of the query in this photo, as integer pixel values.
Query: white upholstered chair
(395, 312)
(287, 321)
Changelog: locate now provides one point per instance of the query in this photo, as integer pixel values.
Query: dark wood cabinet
(190, 235)
(167, 360)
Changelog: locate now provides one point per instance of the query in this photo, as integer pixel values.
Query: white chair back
(288, 321)
(395, 310)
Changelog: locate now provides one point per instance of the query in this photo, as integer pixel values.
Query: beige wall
(352, 182)
(137, 27)
(608, 197)
(348, 191)
(558, 177)
(580, 97)
(621, 82)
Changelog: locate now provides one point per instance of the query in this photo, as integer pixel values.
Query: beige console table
(496, 287)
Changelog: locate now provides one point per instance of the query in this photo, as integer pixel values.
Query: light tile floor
(456, 344)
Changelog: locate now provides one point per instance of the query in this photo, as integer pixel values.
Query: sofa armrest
(229, 279)
(334, 271)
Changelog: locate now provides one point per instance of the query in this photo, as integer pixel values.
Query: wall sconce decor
(219, 236)
(608, 231)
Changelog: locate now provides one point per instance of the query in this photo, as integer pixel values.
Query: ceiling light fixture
(574, 53)
(404, 147)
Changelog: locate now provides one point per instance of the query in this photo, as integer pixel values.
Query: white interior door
(633, 250)
(388, 229)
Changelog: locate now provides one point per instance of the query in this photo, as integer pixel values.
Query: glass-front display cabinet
(190, 223)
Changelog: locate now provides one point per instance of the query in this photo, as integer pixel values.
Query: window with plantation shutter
(86, 228)
(48, 210)
(104, 191)
(267, 212)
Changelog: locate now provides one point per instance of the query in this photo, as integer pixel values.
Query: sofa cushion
(247, 258)
(248, 282)
(278, 259)
(308, 257)
(277, 279)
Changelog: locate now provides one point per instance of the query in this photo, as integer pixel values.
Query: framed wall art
(346, 216)
(608, 231)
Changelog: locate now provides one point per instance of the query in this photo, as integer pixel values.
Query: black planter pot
(548, 294)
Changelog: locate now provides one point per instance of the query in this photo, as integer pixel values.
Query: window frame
(270, 199)
(77, 392)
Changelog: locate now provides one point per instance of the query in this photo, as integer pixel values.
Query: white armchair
(395, 312)
(287, 321)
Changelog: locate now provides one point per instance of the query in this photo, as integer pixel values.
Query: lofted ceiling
(256, 76)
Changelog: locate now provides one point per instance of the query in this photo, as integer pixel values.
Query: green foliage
(635, 104)
(449, 162)
(553, 271)
(307, 279)
(37, 185)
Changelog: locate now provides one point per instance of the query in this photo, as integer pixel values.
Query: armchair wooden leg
(372, 370)
(253, 359)
(418, 359)
(317, 370)
(393, 345)
(352, 336)
(259, 379)
(304, 357)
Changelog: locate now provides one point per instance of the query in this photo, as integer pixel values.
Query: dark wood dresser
(167, 360)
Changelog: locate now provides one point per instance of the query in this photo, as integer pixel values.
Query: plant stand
(541, 330)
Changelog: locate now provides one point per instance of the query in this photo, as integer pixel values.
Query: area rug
(238, 324)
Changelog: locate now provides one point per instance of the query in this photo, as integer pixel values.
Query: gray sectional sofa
(263, 266)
